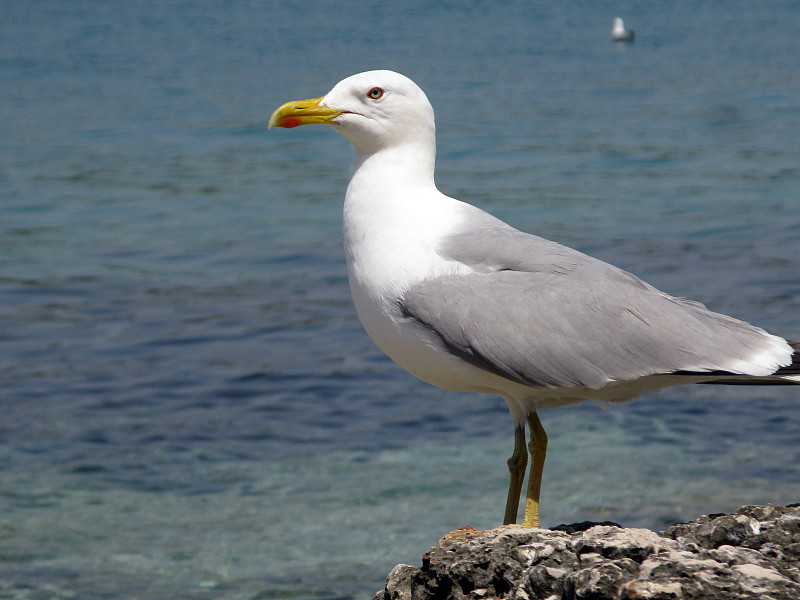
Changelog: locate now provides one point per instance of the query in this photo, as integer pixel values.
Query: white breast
(390, 237)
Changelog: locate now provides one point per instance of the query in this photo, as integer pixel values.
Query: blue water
(190, 408)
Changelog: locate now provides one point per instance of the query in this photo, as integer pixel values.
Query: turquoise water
(190, 408)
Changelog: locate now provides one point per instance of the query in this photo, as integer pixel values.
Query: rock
(398, 583)
(751, 554)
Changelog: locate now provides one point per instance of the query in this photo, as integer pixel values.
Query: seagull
(619, 33)
(466, 302)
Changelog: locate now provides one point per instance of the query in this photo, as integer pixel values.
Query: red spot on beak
(289, 122)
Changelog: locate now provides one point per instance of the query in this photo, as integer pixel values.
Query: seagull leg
(516, 466)
(538, 450)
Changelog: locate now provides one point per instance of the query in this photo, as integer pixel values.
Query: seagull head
(375, 110)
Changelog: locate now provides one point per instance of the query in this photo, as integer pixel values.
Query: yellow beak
(302, 112)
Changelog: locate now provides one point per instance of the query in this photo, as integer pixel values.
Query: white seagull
(619, 33)
(466, 302)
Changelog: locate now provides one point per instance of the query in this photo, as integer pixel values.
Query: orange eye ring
(375, 93)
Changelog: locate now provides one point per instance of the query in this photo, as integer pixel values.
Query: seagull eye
(375, 93)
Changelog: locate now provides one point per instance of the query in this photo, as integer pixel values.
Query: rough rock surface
(753, 553)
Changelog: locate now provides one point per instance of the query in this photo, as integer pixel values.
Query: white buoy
(619, 33)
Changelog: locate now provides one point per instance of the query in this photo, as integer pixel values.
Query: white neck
(394, 218)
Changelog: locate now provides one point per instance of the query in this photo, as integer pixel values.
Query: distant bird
(466, 302)
(619, 33)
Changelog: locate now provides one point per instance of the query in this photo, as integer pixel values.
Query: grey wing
(487, 244)
(560, 318)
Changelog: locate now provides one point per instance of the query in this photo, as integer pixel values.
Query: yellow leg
(516, 466)
(538, 450)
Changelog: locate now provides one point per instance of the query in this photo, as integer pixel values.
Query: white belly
(411, 345)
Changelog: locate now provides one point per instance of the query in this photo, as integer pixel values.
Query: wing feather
(536, 312)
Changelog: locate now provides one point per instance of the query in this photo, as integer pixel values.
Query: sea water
(190, 408)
